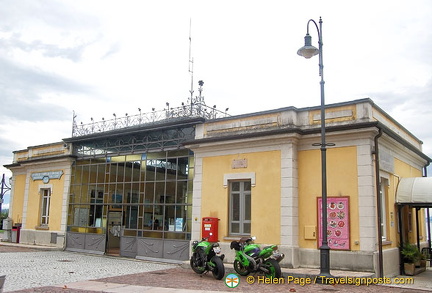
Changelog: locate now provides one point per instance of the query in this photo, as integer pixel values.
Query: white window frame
(242, 208)
(45, 205)
(383, 198)
(239, 176)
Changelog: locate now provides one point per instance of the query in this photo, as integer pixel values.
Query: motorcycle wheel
(219, 269)
(196, 269)
(240, 269)
(273, 267)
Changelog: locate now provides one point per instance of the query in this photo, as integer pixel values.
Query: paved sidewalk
(96, 286)
(31, 267)
(41, 269)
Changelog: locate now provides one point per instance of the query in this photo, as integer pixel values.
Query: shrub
(411, 253)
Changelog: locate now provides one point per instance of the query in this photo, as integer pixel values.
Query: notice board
(338, 228)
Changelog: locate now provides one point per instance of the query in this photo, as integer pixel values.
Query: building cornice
(40, 160)
(309, 131)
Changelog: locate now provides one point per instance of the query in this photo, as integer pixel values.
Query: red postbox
(16, 233)
(210, 229)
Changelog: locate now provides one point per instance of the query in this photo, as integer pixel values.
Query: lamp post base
(325, 261)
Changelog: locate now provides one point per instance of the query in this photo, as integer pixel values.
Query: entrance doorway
(114, 224)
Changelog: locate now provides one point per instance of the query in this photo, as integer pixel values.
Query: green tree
(3, 215)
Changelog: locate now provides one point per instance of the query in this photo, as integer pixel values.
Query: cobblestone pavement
(55, 271)
(29, 268)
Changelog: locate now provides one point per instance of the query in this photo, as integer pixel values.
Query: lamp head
(308, 50)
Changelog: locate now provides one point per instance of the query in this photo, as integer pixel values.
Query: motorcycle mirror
(253, 238)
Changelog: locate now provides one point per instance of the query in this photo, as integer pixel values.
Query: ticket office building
(260, 174)
(143, 191)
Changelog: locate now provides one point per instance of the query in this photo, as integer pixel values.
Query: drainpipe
(429, 232)
(428, 215)
(378, 191)
(417, 227)
(401, 266)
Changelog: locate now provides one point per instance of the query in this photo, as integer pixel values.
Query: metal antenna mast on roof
(191, 64)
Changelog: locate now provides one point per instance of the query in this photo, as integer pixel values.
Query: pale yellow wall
(56, 203)
(391, 216)
(334, 115)
(341, 181)
(47, 150)
(34, 205)
(35, 201)
(241, 124)
(18, 198)
(31, 190)
(403, 170)
(265, 195)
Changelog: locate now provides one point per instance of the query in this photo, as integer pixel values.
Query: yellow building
(272, 156)
(259, 174)
(40, 192)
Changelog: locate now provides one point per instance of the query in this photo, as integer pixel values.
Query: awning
(415, 191)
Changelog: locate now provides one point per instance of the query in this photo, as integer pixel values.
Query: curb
(300, 272)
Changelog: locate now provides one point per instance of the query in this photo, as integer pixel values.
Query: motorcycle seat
(235, 245)
(244, 239)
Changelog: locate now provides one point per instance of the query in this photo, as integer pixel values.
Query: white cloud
(64, 56)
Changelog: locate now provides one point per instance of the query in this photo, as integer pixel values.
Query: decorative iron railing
(195, 109)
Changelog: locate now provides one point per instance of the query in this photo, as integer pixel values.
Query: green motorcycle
(250, 258)
(206, 257)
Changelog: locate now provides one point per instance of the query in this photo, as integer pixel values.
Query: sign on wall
(46, 176)
(239, 163)
(338, 231)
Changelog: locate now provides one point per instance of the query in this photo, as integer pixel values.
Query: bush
(411, 253)
(3, 215)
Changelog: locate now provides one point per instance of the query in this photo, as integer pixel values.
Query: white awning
(416, 190)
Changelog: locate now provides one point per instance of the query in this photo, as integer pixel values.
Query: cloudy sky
(103, 57)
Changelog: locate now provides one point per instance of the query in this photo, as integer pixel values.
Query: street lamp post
(309, 51)
(4, 189)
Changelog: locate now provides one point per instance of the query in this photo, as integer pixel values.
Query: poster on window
(338, 232)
